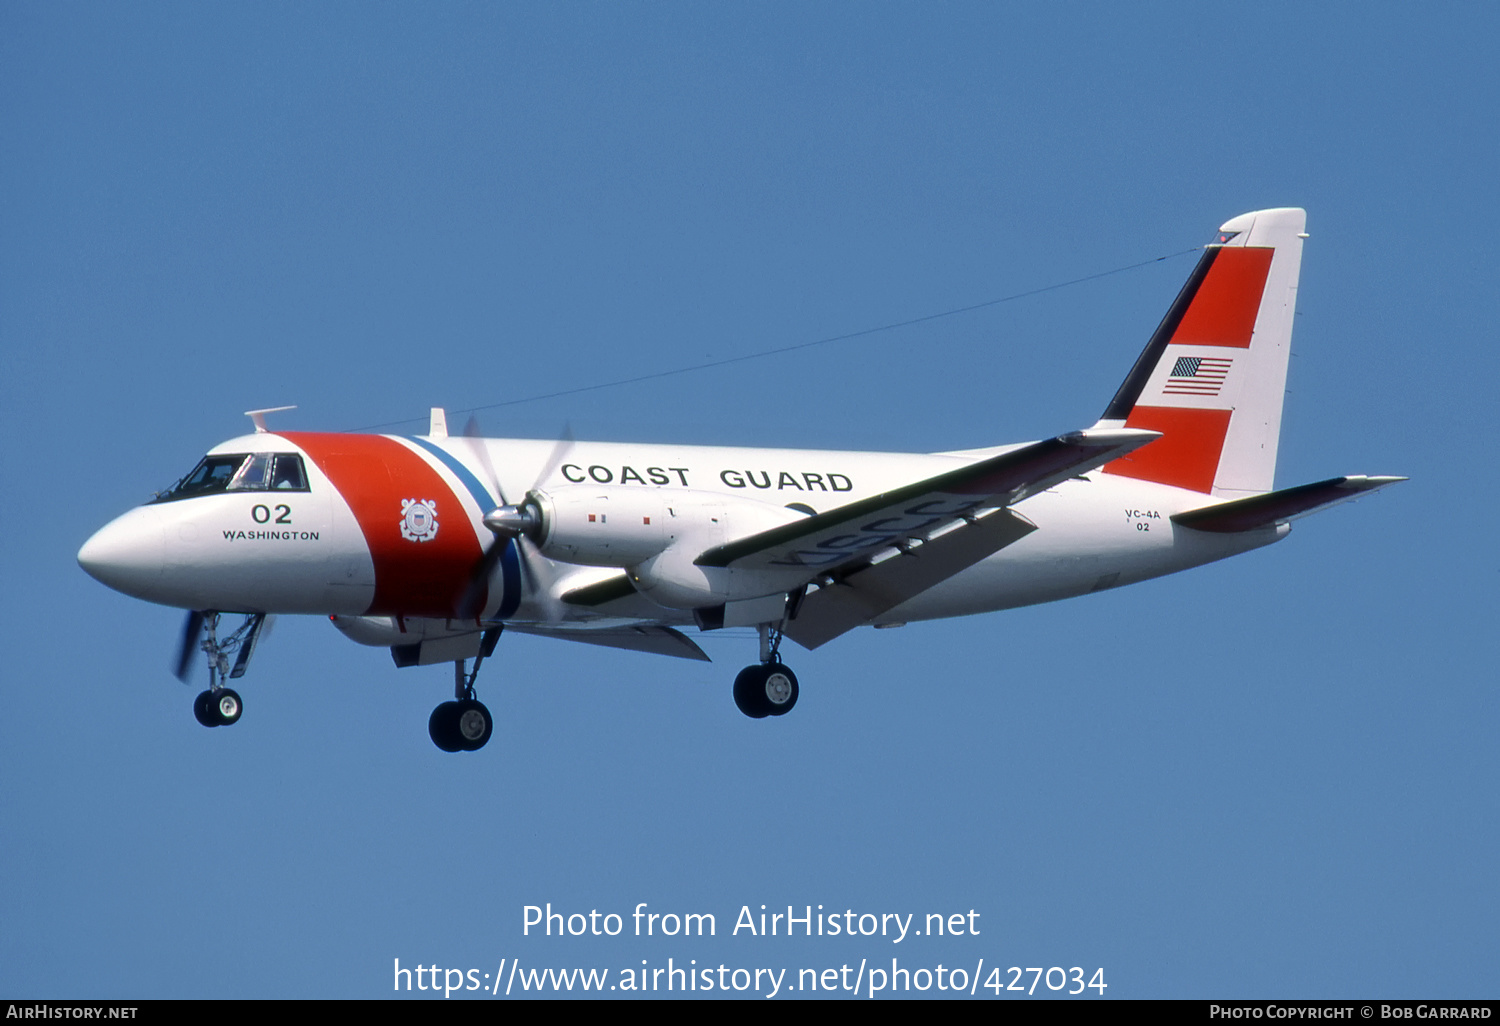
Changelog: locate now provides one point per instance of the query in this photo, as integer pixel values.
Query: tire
(749, 692)
(203, 710)
(442, 727)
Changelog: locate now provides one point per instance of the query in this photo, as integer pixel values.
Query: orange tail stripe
(1223, 312)
(1187, 454)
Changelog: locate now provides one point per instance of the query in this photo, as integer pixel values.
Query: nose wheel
(218, 708)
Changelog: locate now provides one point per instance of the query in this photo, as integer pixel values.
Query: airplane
(434, 545)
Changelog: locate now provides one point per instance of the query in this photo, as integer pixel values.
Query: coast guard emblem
(418, 520)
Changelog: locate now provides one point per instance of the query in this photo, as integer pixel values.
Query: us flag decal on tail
(1197, 375)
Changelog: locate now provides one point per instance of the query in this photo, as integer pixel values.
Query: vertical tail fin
(1212, 377)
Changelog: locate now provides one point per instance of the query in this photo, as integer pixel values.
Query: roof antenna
(258, 417)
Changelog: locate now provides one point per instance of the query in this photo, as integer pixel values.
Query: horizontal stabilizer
(656, 640)
(1275, 507)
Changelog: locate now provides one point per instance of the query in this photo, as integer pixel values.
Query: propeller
(192, 629)
(517, 522)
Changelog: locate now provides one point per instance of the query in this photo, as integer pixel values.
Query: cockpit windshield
(241, 472)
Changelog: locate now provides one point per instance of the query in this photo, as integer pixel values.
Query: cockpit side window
(240, 472)
(288, 476)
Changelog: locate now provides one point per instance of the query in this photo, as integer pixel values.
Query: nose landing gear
(219, 706)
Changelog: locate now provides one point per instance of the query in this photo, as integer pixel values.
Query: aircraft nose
(126, 553)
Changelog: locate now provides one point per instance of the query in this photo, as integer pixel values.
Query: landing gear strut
(220, 706)
(464, 724)
(767, 688)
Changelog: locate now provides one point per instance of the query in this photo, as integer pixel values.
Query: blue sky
(1271, 777)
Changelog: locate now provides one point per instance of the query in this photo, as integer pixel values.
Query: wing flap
(859, 597)
(849, 535)
(1275, 507)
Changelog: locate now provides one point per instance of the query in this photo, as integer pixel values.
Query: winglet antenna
(258, 417)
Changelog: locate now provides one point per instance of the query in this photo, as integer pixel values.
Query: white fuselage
(333, 548)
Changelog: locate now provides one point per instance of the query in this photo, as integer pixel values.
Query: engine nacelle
(629, 527)
(603, 527)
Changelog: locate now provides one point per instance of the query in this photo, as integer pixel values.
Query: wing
(847, 537)
(939, 527)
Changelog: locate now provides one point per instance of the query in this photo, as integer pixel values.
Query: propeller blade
(472, 602)
(192, 627)
(554, 459)
(481, 452)
(532, 581)
(475, 592)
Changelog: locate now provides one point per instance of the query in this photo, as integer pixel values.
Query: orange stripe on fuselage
(1223, 310)
(1187, 454)
(375, 475)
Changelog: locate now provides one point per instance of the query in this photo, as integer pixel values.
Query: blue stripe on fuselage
(480, 493)
(510, 564)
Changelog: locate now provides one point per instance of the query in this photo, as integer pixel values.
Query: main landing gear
(464, 724)
(767, 688)
(220, 706)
